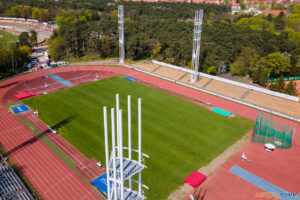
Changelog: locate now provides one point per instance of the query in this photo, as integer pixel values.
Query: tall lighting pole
(196, 44)
(121, 33)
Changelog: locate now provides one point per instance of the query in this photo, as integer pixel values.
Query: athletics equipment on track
(269, 130)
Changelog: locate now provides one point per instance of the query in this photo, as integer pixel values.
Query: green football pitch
(179, 136)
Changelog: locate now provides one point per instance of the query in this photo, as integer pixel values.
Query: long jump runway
(54, 180)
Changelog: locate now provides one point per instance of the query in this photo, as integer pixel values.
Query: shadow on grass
(63, 122)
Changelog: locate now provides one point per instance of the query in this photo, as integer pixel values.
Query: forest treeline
(15, 52)
(256, 46)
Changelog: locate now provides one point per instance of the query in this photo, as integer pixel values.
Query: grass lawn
(179, 136)
(7, 37)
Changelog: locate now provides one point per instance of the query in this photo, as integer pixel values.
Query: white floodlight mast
(196, 44)
(121, 33)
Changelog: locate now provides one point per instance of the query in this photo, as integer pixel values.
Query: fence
(269, 130)
(288, 78)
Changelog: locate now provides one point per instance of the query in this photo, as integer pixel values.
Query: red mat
(25, 95)
(195, 179)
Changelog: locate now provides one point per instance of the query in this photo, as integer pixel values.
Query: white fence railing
(251, 87)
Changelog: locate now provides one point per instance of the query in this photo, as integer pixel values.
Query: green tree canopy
(277, 64)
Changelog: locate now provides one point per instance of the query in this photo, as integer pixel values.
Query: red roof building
(274, 12)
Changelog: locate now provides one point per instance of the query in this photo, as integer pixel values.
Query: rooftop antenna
(196, 44)
(119, 168)
(121, 33)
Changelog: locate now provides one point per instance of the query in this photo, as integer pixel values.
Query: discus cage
(269, 130)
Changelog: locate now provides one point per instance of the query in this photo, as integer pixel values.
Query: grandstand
(11, 186)
(203, 82)
(226, 89)
(171, 73)
(280, 103)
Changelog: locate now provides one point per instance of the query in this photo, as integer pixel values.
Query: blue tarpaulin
(20, 108)
(221, 112)
(100, 183)
(130, 79)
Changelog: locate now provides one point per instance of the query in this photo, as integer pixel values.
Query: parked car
(63, 63)
(54, 64)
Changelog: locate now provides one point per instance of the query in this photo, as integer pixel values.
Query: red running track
(280, 167)
(88, 168)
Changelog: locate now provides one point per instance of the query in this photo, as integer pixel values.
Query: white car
(62, 63)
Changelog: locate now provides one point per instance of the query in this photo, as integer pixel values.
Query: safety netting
(269, 130)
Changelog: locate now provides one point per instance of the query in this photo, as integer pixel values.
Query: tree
(278, 86)
(35, 13)
(292, 21)
(33, 38)
(26, 12)
(262, 7)
(156, 50)
(280, 22)
(24, 53)
(277, 6)
(259, 74)
(212, 70)
(56, 48)
(274, 87)
(16, 11)
(24, 39)
(257, 24)
(44, 15)
(281, 83)
(291, 88)
(243, 62)
(277, 64)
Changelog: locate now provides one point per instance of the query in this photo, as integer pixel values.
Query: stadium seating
(186, 78)
(275, 103)
(202, 81)
(147, 67)
(169, 73)
(11, 187)
(226, 89)
(257, 98)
